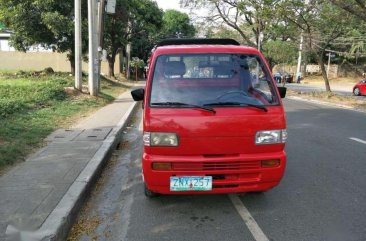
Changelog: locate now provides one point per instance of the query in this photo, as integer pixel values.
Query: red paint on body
(220, 144)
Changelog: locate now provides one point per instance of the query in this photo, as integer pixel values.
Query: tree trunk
(305, 64)
(324, 72)
(111, 61)
(121, 62)
(72, 66)
(71, 58)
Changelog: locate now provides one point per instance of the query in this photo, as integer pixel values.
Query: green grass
(32, 106)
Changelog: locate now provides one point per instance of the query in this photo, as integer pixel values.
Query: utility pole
(128, 53)
(78, 47)
(101, 12)
(328, 68)
(256, 80)
(260, 39)
(298, 70)
(93, 51)
(330, 55)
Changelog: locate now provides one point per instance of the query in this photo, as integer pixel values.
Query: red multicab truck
(213, 120)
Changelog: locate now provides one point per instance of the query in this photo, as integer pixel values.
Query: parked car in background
(277, 77)
(289, 78)
(360, 88)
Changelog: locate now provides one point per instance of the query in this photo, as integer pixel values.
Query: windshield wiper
(183, 104)
(261, 107)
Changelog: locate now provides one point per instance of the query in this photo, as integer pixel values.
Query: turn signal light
(271, 163)
(162, 166)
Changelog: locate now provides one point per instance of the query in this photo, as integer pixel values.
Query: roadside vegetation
(330, 97)
(140, 22)
(322, 31)
(33, 104)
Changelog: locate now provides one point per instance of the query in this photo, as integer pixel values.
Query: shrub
(16, 96)
(48, 70)
(140, 64)
(9, 107)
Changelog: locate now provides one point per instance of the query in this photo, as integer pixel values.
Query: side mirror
(138, 94)
(282, 91)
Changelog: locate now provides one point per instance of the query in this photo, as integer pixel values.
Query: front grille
(213, 166)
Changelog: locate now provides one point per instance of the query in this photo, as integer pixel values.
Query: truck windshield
(215, 80)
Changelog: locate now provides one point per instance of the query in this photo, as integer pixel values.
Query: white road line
(248, 219)
(124, 224)
(358, 140)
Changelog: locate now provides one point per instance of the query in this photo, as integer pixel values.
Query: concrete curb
(325, 103)
(60, 220)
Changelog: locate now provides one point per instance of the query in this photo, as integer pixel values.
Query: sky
(171, 4)
(174, 4)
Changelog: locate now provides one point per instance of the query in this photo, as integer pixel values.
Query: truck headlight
(160, 139)
(271, 137)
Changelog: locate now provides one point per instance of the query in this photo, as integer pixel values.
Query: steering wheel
(232, 92)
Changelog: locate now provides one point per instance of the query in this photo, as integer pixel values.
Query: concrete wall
(37, 61)
(4, 45)
(310, 69)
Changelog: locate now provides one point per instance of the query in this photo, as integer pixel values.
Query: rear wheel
(356, 91)
(149, 193)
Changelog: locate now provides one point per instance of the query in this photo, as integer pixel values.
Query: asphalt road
(322, 196)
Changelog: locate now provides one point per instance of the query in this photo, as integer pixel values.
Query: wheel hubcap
(357, 91)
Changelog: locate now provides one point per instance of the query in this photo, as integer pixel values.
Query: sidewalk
(42, 195)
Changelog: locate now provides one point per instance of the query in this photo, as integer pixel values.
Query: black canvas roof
(186, 41)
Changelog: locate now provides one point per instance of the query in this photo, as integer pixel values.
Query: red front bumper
(231, 174)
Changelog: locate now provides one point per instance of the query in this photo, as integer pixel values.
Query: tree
(356, 7)
(147, 24)
(252, 20)
(135, 21)
(177, 24)
(116, 33)
(249, 18)
(49, 24)
(278, 52)
(222, 32)
(321, 24)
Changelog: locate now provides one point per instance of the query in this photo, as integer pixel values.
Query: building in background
(4, 40)
(5, 46)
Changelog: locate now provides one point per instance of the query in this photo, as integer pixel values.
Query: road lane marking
(126, 219)
(358, 140)
(248, 219)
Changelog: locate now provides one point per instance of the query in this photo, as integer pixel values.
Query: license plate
(191, 183)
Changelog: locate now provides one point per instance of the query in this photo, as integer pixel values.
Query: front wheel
(356, 91)
(149, 193)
